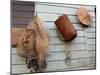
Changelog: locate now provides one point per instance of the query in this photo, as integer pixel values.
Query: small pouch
(65, 27)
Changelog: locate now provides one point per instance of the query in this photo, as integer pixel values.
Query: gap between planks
(90, 7)
(53, 66)
(59, 67)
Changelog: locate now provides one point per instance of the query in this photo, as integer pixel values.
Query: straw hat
(84, 16)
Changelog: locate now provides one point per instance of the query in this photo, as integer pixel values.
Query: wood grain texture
(57, 56)
(53, 17)
(22, 14)
(56, 66)
(54, 9)
(82, 49)
(91, 47)
(22, 8)
(14, 2)
(16, 34)
(60, 48)
(53, 34)
(74, 6)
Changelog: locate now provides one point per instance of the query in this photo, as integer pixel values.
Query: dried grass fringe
(33, 45)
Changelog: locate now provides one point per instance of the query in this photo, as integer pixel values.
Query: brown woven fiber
(33, 45)
(65, 27)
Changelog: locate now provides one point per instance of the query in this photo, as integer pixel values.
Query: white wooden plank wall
(82, 48)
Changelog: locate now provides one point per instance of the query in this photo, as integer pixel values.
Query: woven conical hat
(84, 16)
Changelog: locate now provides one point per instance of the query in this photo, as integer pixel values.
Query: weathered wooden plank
(51, 25)
(58, 48)
(14, 50)
(92, 66)
(92, 25)
(82, 68)
(52, 28)
(19, 26)
(91, 41)
(69, 47)
(14, 2)
(78, 54)
(78, 40)
(59, 56)
(74, 63)
(54, 9)
(78, 47)
(16, 34)
(22, 8)
(53, 17)
(91, 60)
(55, 33)
(55, 66)
(55, 56)
(74, 6)
(59, 41)
(22, 14)
(57, 70)
(52, 66)
(21, 21)
(78, 63)
(91, 53)
(91, 35)
(16, 59)
(16, 69)
(44, 17)
(80, 33)
(91, 47)
(90, 30)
